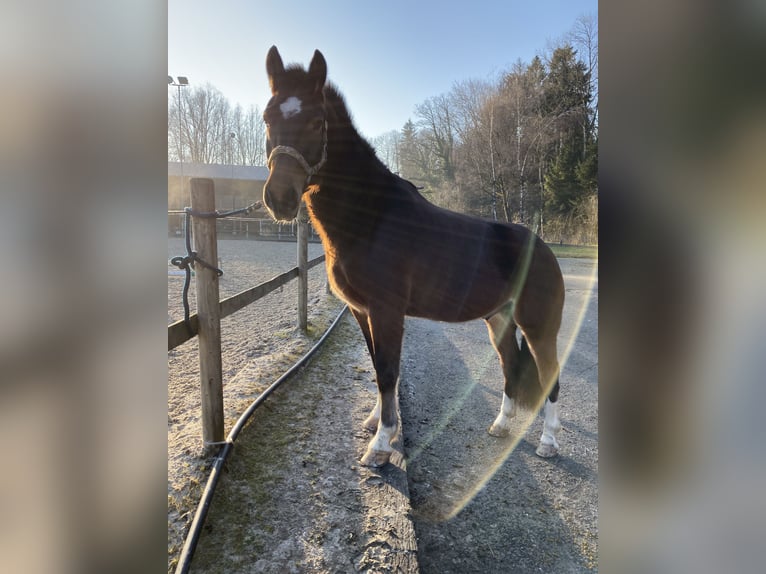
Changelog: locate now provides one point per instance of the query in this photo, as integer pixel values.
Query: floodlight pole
(182, 82)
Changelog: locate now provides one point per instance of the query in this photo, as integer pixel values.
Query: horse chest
(345, 283)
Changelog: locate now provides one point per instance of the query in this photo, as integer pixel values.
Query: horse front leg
(371, 422)
(386, 331)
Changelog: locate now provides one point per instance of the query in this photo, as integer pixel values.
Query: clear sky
(385, 56)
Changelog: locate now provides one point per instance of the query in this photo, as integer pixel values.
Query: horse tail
(529, 392)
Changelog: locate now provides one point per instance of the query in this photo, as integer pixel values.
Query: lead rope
(187, 262)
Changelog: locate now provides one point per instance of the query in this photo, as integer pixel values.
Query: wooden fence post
(208, 310)
(303, 276)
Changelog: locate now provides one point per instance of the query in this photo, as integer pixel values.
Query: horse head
(296, 132)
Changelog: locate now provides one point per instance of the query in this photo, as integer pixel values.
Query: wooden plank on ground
(392, 535)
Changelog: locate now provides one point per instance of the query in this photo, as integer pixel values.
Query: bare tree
(176, 151)
(436, 123)
(212, 132)
(512, 139)
(417, 163)
(387, 148)
(472, 112)
(203, 118)
(249, 141)
(468, 99)
(584, 36)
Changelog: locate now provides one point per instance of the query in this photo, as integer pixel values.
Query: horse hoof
(547, 450)
(499, 431)
(375, 458)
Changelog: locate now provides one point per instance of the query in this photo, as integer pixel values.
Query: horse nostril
(267, 199)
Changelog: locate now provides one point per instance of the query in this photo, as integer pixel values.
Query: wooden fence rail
(179, 334)
(206, 323)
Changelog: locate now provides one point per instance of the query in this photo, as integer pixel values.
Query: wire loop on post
(187, 262)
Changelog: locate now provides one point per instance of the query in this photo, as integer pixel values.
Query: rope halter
(297, 156)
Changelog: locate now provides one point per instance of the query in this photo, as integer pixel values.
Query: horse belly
(457, 296)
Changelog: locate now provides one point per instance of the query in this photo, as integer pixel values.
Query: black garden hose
(190, 544)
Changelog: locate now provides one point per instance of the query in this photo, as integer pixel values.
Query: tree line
(520, 148)
(203, 127)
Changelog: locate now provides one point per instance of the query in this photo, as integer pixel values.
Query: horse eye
(316, 125)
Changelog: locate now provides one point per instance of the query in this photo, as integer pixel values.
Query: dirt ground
(294, 498)
(258, 344)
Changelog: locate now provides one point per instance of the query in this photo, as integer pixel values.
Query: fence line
(245, 227)
(179, 334)
(206, 323)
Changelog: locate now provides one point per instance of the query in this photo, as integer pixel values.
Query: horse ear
(318, 70)
(274, 68)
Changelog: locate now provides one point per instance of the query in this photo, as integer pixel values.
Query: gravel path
(479, 504)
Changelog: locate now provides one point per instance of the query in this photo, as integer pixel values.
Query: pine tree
(587, 169)
(571, 176)
(563, 189)
(567, 85)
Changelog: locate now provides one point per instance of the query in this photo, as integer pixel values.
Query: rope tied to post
(186, 263)
(217, 214)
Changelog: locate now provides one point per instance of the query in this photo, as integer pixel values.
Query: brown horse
(391, 253)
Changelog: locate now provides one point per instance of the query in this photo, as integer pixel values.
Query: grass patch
(577, 251)
(248, 508)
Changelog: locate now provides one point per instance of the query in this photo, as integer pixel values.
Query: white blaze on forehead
(290, 107)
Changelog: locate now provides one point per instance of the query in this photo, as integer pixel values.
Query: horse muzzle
(283, 204)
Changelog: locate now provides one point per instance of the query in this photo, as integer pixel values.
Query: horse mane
(294, 80)
(335, 103)
(334, 100)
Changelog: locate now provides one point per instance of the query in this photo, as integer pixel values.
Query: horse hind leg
(544, 352)
(549, 446)
(502, 333)
(528, 371)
